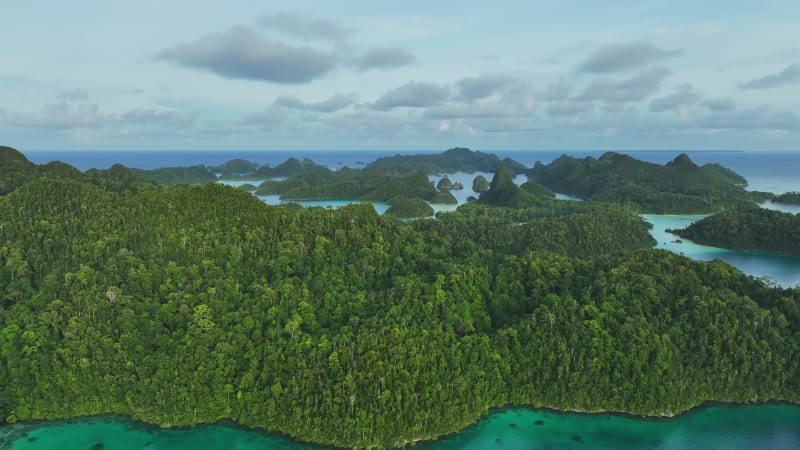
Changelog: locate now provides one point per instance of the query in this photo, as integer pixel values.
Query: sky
(390, 75)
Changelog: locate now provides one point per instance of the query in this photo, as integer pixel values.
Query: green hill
(751, 229)
(789, 198)
(679, 187)
(454, 160)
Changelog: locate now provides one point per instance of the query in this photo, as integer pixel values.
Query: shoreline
(22, 428)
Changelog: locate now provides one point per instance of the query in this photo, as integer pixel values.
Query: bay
(772, 426)
(780, 269)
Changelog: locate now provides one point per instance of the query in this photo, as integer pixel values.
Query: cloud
(488, 109)
(385, 58)
(791, 52)
(624, 56)
(569, 108)
(158, 117)
(243, 54)
(789, 75)
(476, 88)
(74, 95)
(265, 119)
(761, 118)
(304, 27)
(631, 90)
(683, 96)
(556, 91)
(59, 116)
(336, 102)
(415, 94)
(720, 104)
(369, 124)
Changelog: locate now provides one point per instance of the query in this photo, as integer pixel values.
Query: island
(788, 198)
(480, 184)
(678, 187)
(179, 305)
(748, 229)
(409, 208)
(458, 159)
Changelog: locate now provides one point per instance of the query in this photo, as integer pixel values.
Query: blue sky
(502, 75)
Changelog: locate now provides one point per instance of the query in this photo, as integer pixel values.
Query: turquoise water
(718, 427)
(782, 269)
(782, 207)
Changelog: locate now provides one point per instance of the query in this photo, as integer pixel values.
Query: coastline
(20, 430)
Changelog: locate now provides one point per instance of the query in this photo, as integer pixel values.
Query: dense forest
(180, 305)
(791, 198)
(453, 160)
(678, 187)
(457, 159)
(752, 229)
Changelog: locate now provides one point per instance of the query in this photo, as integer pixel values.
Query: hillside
(678, 187)
(454, 160)
(182, 305)
(751, 229)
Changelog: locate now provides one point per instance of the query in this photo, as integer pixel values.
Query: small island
(409, 208)
(788, 198)
(678, 187)
(748, 229)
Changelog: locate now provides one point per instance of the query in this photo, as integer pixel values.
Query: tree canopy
(179, 305)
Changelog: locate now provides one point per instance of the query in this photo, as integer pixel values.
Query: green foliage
(454, 160)
(752, 229)
(790, 198)
(190, 304)
(480, 184)
(237, 167)
(408, 208)
(503, 192)
(15, 169)
(411, 186)
(445, 184)
(444, 198)
(679, 187)
(289, 168)
(180, 175)
(535, 188)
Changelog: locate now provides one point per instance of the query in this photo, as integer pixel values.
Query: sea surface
(768, 426)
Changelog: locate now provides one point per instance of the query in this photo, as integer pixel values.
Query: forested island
(749, 229)
(789, 198)
(678, 187)
(180, 305)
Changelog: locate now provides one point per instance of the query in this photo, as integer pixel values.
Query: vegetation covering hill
(326, 184)
(789, 198)
(503, 192)
(453, 160)
(480, 184)
(679, 187)
(457, 159)
(189, 304)
(751, 229)
(180, 175)
(408, 208)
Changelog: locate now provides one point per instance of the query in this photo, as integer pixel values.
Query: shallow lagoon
(783, 269)
(730, 427)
